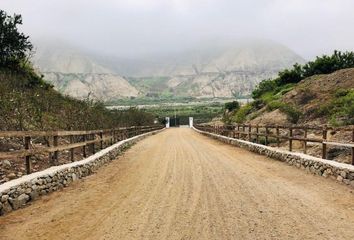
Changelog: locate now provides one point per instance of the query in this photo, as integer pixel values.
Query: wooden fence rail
(57, 141)
(290, 134)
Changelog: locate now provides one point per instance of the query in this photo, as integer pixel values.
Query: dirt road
(181, 185)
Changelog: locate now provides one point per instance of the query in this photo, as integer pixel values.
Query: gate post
(167, 122)
(191, 122)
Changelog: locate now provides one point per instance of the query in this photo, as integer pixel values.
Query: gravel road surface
(179, 184)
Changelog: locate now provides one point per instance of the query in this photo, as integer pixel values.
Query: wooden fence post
(278, 136)
(353, 147)
(305, 141)
(101, 140)
(71, 149)
(290, 139)
(249, 133)
(266, 136)
(112, 136)
(50, 154)
(257, 132)
(244, 134)
(56, 153)
(324, 145)
(28, 157)
(120, 134)
(93, 144)
(84, 147)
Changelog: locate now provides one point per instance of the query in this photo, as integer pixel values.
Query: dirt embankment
(309, 97)
(314, 101)
(182, 185)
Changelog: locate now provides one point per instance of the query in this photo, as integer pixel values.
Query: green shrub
(342, 107)
(264, 87)
(281, 90)
(231, 106)
(292, 113)
(257, 104)
(242, 113)
(271, 106)
(323, 110)
(341, 92)
(293, 75)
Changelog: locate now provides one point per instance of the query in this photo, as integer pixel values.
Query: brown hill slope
(320, 99)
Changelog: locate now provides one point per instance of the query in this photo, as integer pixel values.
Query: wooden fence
(276, 134)
(57, 141)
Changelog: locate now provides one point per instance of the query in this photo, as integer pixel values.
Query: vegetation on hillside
(268, 95)
(152, 100)
(201, 113)
(322, 65)
(27, 102)
(340, 110)
(230, 107)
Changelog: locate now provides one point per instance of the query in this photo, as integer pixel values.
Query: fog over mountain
(200, 48)
(142, 27)
(208, 71)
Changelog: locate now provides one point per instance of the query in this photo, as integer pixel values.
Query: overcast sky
(136, 27)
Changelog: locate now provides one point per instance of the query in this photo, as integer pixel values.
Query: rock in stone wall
(14, 196)
(338, 171)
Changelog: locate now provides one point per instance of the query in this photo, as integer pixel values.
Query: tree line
(321, 65)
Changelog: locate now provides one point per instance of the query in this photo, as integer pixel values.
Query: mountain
(78, 74)
(63, 58)
(211, 70)
(102, 86)
(228, 70)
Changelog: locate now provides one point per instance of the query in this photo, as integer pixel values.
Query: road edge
(18, 193)
(340, 172)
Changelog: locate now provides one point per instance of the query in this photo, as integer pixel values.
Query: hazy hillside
(59, 57)
(256, 55)
(103, 86)
(219, 70)
(76, 73)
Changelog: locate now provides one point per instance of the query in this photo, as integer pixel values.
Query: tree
(231, 106)
(15, 46)
(264, 86)
(293, 75)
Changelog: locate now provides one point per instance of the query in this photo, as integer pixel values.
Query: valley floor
(182, 185)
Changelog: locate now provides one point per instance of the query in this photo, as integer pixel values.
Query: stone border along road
(19, 192)
(341, 172)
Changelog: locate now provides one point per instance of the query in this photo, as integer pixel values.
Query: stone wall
(17, 193)
(340, 172)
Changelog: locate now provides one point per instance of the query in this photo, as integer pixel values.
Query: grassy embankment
(303, 95)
